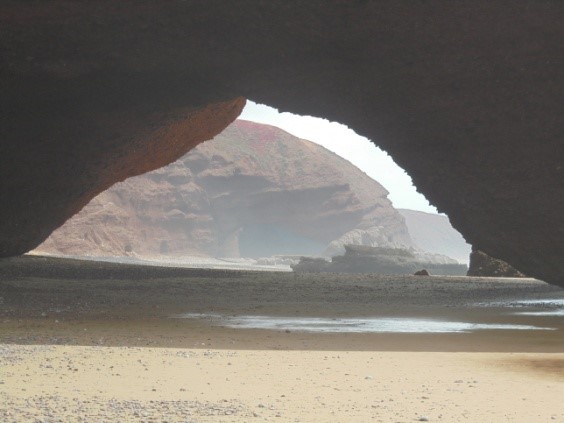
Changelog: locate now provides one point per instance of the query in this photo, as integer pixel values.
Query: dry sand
(74, 347)
(199, 385)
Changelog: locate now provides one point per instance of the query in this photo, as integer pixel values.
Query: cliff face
(467, 97)
(125, 145)
(434, 233)
(254, 190)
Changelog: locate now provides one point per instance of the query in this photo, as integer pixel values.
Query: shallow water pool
(538, 307)
(353, 325)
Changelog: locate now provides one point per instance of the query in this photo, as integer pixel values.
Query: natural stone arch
(466, 97)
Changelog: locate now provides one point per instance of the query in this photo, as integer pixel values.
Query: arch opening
(465, 99)
(268, 189)
(429, 229)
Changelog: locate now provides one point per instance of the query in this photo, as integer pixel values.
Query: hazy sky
(347, 144)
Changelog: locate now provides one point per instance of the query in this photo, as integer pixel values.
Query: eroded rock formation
(483, 265)
(382, 260)
(252, 191)
(47, 181)
(465, 96)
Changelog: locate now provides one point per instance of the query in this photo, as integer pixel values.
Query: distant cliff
(435, 234)
(382, 260)
(252, 191)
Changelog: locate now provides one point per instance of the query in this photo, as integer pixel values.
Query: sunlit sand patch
(352, 325)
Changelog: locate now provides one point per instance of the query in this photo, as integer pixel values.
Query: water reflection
(353, 325)
(541, 313)
(539, 307)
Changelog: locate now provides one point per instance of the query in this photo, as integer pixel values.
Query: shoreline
(96, 342)
(75, 303)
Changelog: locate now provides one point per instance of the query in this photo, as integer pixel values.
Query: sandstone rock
(467, 97)
(483, 265)
(311, 265)
(381, 260)
(253, 191)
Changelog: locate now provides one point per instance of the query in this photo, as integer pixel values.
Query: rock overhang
(465, 97)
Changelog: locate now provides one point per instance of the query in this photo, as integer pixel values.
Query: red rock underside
(465, 96)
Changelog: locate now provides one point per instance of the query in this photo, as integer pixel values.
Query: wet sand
(96, 342)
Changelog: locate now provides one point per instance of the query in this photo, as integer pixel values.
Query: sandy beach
(100, 342)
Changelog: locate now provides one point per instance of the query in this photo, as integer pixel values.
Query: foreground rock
(466, 97)
(387, 261)
(483, 265)
(253, 191)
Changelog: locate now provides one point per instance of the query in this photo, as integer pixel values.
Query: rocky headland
(382, 260)
(253, 191)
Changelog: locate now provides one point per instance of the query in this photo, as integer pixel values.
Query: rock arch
(466, 97)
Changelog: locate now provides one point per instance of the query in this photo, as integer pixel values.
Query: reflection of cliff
(254, 190)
